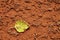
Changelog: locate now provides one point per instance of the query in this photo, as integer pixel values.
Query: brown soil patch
(43, 16)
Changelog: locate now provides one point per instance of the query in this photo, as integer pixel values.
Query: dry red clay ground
(43, 16)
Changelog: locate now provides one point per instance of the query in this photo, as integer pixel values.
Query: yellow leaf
(21, 26)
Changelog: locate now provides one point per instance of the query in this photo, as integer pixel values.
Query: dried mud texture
(43, 16)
